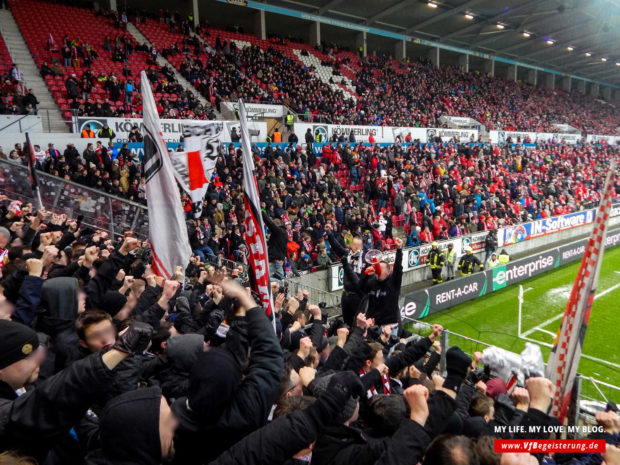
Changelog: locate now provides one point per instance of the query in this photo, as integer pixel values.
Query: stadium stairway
(133, 30)
(326, 74)
(49, 111)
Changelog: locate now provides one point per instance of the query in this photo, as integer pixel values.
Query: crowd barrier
(425, 302)
(100, 210)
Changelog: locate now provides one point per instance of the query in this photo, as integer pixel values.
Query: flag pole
(520, 305)
(34, 180)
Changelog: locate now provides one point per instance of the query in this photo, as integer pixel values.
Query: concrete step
(133, 30)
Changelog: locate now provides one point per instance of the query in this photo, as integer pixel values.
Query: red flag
(254, 229)
(566, 351)
(193, 167)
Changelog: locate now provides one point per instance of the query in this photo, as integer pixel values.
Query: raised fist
(135, 339)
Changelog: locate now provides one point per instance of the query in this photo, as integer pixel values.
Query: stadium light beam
(550, 42)
(603, 59)
(432, 5)
(500, 26)
(588, 54)
(570, 48)
(469, 16)
(526, 34)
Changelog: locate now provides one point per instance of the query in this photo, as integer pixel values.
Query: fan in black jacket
(51, 409)
(276, 244)
(223, 409)
(384, 290)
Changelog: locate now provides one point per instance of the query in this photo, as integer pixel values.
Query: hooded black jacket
(247, 410)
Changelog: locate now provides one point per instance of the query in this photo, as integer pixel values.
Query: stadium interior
(309, 232)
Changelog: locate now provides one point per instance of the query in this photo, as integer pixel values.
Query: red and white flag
(566, 351)
(167, 230)
(194, 166)
(254, 229)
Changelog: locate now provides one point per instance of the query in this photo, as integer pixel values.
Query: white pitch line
(606, 362)
(557, 317)
(542, 325)
(548, 332)
(607, 291)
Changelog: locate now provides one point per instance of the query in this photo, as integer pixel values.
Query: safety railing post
(111, 217)
(444, 341)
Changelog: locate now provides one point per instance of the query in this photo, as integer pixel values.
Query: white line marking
(531, 289)
(557, 317)
(548, 332)
(615, 365)
(607, 291)
(542, 325)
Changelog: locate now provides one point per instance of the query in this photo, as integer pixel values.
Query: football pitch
(493, 319)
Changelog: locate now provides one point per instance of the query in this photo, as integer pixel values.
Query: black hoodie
(58, 310)
(129, 430)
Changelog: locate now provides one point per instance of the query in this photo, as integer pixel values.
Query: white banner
(500, 137)
(597, 139)
(566, 128)
(460, 121)
(383, 134)
(231, 110)
(172, 129)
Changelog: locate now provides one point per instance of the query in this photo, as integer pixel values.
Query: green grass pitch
(493, 319)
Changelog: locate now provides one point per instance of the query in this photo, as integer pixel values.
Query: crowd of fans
(120, 96)
(420, 93)
(102, 362)
(422, 193)
(15, 97)
(389, 93)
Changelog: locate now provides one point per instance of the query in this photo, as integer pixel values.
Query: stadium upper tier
(327, 83)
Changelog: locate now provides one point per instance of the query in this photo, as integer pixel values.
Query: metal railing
(592, 394)
(100, 210)
(315, 296)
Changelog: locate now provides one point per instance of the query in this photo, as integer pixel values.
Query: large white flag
(167, 230)
(254, 229)
(566, 351)
(194, 166)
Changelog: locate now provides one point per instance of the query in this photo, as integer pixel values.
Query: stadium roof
(498, 28)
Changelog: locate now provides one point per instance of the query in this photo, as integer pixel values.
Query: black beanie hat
(18, 341)
(113, 302)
